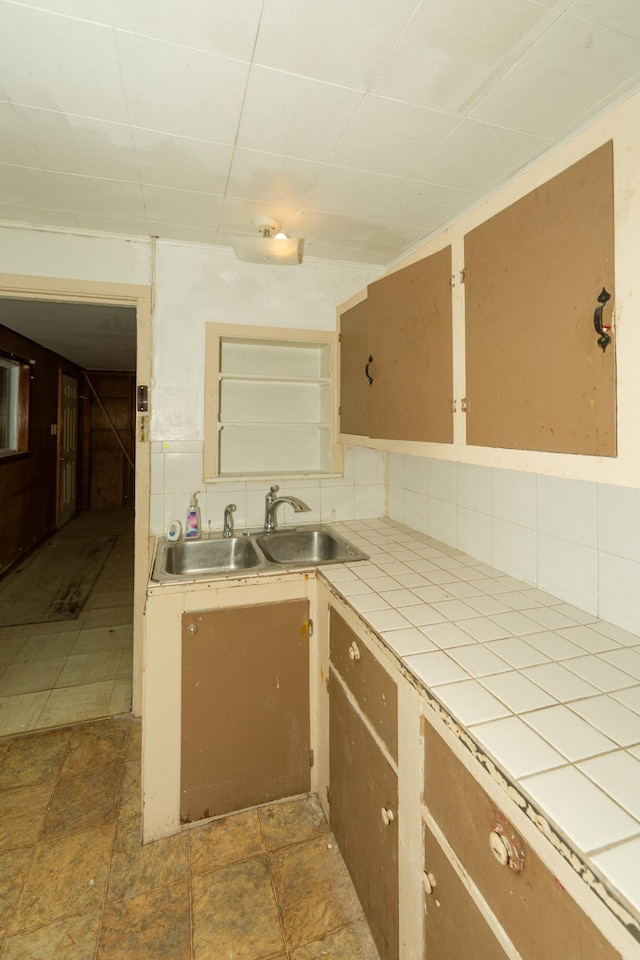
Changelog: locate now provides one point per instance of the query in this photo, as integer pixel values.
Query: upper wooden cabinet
(536, 377)
(401, 337)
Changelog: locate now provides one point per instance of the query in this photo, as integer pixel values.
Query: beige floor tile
(88, 668)
(235, 913)
(72, 938)
(51, 627)
(103, 638)
(131, 797)
(51, 646)
(137, 868)
(66, 877)
(112, 617)
(225, 841)
(152, 926)
(21, 713)
(349, 943)
(30, 677)
(103, 599)
(74, 704)
(22, 813)
(121, 697)
(94, 745)
(10, 646)
(125, 666)
(314, 891)
(292, 822)
(36, 758)
(134, 746)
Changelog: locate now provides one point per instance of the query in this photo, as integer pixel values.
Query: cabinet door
(354, 386)
(519, 900)
(536, 377)
(454, 928)
(245, 707)
(362, 783)
(410, 340)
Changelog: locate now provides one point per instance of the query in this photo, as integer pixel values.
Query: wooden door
(67, 448)
(362, 783)
(245, 707)
(537, 378)
(411, 343)
(354, 385)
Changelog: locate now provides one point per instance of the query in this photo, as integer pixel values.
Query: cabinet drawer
(453, 925)
(537, 913)
(374, 690)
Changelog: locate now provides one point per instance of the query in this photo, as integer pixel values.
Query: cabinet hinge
(339, 338)
(328, 796)
(310, 624)
(464, 405)
(454, 406)
(463, 275)
(311, 758)
(339, 411)
(452, 281)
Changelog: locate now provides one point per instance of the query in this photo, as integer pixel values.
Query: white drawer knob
(387, 816)
(354, 652)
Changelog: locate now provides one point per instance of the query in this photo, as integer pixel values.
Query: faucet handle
(274, 488)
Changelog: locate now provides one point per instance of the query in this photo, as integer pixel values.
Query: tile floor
(75, 881)
(72, 670)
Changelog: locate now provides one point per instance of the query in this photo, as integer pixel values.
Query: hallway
(67, 671)
(75, 882)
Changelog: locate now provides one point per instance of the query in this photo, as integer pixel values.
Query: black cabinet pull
(604, 339)
(366, 370)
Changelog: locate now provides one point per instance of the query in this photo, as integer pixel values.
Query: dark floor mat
(55, 583)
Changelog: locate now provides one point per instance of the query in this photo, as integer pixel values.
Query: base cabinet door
(245, 707)
(454, 928)
(364, 804)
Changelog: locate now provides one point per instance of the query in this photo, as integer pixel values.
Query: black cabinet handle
(604, 339)
(366, 370)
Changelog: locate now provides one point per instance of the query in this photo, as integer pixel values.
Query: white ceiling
(364, 126)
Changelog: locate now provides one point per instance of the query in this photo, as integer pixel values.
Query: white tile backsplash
(569, 569)
(514, 549)
(567, 509)
(619, 521)
(619, 591)
(513, 497)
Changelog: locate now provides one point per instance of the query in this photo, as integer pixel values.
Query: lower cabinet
(454, 927)
(363, 799)
(537, 914)
(245, 707)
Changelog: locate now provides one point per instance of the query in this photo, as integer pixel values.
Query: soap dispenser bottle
(192, 527)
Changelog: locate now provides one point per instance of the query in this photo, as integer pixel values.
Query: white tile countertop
(549, 692)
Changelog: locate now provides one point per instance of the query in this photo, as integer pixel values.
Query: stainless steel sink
(251, 552)
(307, 546)
(210, 556)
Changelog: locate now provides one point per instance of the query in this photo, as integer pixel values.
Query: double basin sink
(251, 553)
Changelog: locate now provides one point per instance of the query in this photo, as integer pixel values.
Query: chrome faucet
(271, 504)
(227, 529)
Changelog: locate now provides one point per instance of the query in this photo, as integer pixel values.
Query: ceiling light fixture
(271, 246)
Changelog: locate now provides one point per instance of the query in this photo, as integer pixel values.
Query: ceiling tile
(70, 144)
(387, 136)
(351, 193)
(496, 154)
(182, 207)
(29, 188)
(319, 227)
(453, 52)
(333, 251)
(97, 11)
(36, 216)
(256, 175)
(601, 106)
(115, 198)
(121, 225)
(293, 116)
(217, 26)
(178, 90)
(623, 15)
(170, 161)
(15, 146)
(425, 205)
(573, 65)
(174, 231)
(341, 43)
(387, 239)
(60, 64)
